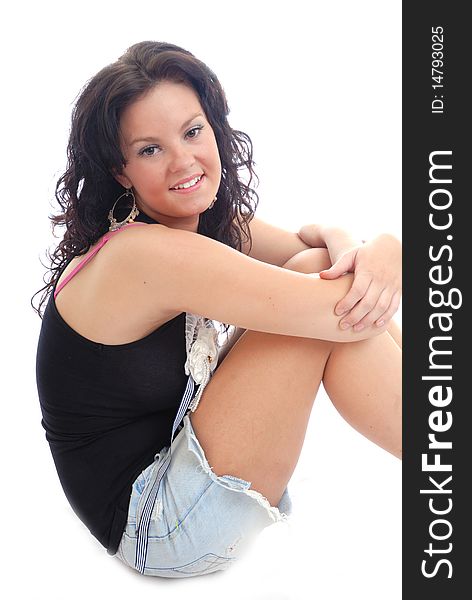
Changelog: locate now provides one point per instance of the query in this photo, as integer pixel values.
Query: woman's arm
(336, 240)
(376, 287)
(175, 270)
(276, 246)
(375, 294)
(273, 245)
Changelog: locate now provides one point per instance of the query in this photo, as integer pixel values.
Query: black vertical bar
(437, 270)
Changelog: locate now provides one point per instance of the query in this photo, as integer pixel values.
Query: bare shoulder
(100, 302)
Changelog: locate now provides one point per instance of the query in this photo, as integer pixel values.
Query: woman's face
(167, 141)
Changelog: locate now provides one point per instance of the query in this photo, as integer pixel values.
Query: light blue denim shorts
(201, 523)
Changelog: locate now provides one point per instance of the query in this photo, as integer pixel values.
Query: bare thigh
(253, 416)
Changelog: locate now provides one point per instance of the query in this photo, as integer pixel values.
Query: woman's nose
(181, 159)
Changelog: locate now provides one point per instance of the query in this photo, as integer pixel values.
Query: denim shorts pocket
(172, 512)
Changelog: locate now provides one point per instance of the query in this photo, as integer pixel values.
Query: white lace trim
(202, 352)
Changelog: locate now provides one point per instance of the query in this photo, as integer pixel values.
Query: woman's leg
(252, 419)
(395, 331)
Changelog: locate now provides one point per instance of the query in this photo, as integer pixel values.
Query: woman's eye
(194, 132)
(149, 151)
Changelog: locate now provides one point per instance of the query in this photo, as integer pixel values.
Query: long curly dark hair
(87, 189)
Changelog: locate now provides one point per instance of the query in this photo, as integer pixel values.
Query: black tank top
(107, 410)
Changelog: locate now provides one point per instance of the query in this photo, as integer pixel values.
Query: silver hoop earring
(114, 224)
(213, 203)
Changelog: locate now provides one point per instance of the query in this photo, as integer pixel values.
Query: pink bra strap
(90, 255)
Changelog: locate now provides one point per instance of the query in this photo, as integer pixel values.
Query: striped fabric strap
(145, 518)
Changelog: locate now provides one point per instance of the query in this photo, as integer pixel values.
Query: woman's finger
(380, 304)
(363, 309)
(358, 290)
(392, 309)
(343, 265)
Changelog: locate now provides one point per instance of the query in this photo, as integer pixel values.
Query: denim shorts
(201, 522)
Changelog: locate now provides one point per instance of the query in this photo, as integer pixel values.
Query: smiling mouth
(188, 184)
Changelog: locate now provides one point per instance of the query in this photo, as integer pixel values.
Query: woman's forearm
(336, 240)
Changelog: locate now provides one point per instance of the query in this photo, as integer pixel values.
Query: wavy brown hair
(87, 189)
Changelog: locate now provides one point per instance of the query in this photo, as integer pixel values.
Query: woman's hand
(376, 290)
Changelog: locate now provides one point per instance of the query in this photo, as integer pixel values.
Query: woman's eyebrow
(155, 139)
(187, 123)
(143, 139)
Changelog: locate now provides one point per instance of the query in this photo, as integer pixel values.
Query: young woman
(161, 244)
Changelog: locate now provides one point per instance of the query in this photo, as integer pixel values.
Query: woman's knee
(312, 260)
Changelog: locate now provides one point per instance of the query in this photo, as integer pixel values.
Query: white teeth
(184, 186)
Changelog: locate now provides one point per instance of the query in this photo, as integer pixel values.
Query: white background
(317, 85)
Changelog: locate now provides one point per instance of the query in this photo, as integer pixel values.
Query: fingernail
(380, 323)
(344, 325)
(358, 327)
(340, 311)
